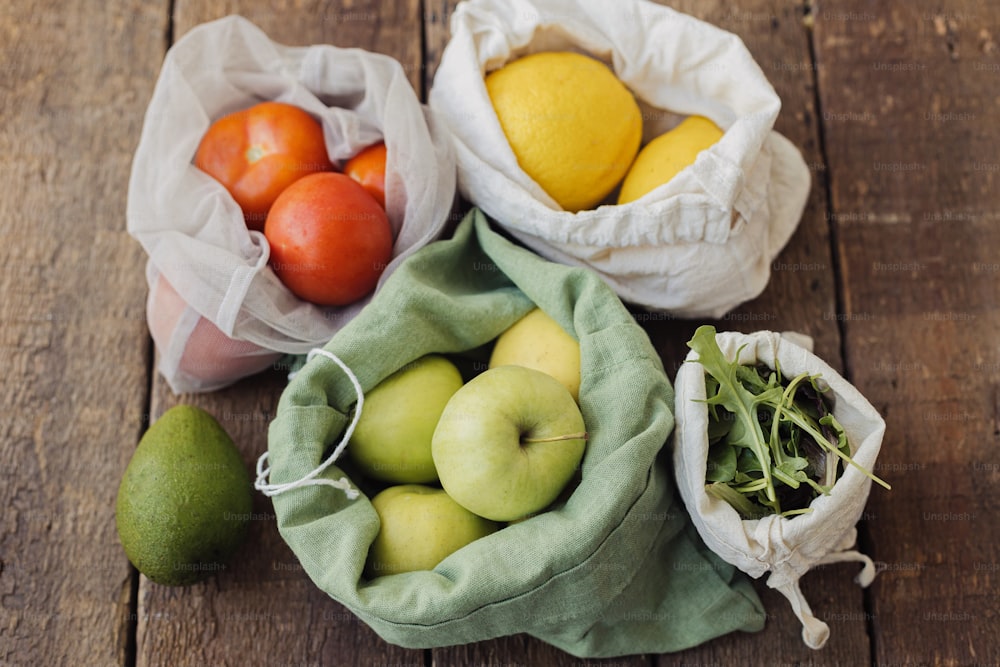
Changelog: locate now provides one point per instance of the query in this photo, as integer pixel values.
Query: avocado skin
(184, 502)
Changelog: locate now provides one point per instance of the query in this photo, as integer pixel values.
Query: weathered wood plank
(264, 609)
(437, 31)
(906, 93)
(519, 649)
(392, 28)
(263, 605)
(74, 352)
(801, 297)
(909, 91)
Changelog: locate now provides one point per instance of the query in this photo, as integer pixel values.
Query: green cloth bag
(615, 570)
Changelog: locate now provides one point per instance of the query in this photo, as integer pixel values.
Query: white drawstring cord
(344, 484)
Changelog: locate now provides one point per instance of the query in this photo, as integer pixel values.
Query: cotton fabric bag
(194, 232)
(616, 569)
(697, 246)
(785, 547)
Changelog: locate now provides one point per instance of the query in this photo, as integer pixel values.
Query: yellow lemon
(666, 155)
(573, 126)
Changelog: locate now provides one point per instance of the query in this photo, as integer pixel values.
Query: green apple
(538, 341)
(392, 440)
(419, 526)
(508, 442)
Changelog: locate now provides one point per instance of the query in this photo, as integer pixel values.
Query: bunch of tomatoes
(328, 232)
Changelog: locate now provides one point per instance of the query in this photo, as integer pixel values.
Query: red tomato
(368, 169)
(329, 238)
(258, 152)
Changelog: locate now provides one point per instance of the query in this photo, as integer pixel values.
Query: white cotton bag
(696, 246)
(193, 230)
(785, 547)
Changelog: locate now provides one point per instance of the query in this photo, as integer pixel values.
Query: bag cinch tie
(310, 479)
(814, 631)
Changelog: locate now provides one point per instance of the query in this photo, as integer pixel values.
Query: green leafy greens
(774, 444)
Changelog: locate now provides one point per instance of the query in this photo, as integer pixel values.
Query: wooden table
(894, 271)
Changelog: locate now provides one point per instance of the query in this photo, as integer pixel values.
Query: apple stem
(557, 438)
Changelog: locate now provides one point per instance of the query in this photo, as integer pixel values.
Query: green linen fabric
(614, 570)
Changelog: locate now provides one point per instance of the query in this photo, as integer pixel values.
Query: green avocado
(184, 502)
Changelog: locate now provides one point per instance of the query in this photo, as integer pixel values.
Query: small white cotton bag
(787, 548)
(696, 246)
(192, 229)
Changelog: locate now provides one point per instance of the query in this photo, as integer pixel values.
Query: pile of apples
(454, 461)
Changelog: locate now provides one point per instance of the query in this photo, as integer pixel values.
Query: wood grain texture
(264, 610)
(392, 28)
(261, 609)
(894, 270)
(800, 296)
(909, 94)
(437, 32)
(519, 649)
(524, 651)
(73, 351)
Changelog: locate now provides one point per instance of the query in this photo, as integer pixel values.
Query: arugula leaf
(719, 424)
(721, 464)
(733, 396)
(746, 508)
(774, 444)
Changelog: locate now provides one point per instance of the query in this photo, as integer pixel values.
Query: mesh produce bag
(615, 569)
(193, 230)
(697, 246)
(786, 547)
